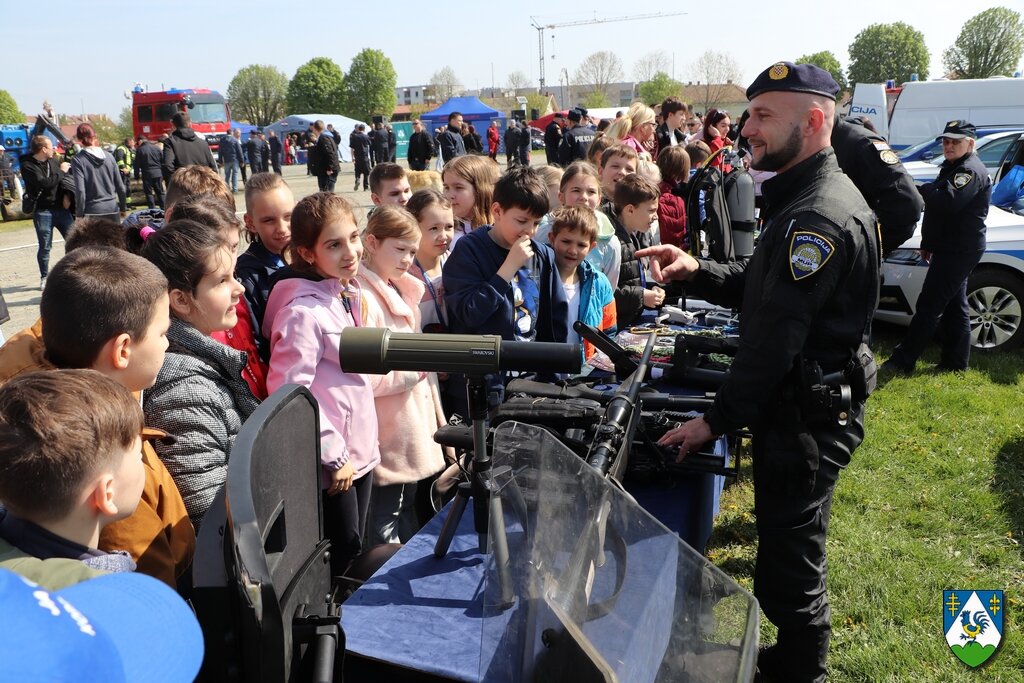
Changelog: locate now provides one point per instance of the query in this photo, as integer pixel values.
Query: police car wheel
(995, 302)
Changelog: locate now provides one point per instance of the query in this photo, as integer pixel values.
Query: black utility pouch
(862, 373)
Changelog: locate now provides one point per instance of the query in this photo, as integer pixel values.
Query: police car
(995, 290)
(989, 148)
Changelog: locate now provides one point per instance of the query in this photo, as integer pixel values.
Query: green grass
(11, 226)
(933, 500)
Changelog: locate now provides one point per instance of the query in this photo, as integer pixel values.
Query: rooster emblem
(972, 631)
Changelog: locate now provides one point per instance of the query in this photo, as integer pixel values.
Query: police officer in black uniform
(553, 138)
(952, 242)
(806, 298)
(877, 172)
(575, 141)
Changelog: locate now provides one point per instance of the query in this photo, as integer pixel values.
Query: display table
(427, 619)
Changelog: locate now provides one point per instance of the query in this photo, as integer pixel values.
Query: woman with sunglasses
(716, 130)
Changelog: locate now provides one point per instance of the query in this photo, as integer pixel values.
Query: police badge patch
(972, 621)
(808, 252)
(960, 180)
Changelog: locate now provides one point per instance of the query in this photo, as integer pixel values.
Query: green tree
(9, 112)
(659, 87)
(989, 44)
(125, 127)
(107, 130)
(883, 51)
(596, 99)
(827, 61)
(370, 86)
(318, 87)
(257, 94)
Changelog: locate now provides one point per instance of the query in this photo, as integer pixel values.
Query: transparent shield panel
(592, 587)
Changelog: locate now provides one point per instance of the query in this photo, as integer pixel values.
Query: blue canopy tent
(473, 111)
(245, 128)
(298, 123)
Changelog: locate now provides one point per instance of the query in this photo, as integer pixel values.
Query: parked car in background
(990, 149)
(536, 138)
(995, 289)
(931, 148)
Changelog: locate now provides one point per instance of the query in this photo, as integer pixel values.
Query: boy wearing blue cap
(104, 629)
(70, 463)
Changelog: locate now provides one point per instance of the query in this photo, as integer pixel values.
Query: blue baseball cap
(116, 627)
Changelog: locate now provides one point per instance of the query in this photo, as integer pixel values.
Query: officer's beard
(773, 161)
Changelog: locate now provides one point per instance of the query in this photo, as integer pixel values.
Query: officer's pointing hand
(669, 262)
(690, 436)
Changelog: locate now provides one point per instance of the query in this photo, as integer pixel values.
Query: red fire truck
(152, 112)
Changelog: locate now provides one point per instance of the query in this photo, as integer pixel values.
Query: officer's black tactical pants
(943, 301)
(792, 520)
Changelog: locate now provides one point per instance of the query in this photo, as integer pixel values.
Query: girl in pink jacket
(311, 301)
(408, 403)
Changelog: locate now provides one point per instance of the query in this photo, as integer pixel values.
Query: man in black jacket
(421, 147)
(258, 152)
(553, 138)
(359, 145)
(450, 144)
(325, 162)
(392, 143)
(806, 298)
(147, 166)
(576, 141)
(673, 114)
(184, 148)
(378, 144)
(274, 143)
(512, 144)
(877, 172)
(43, 176)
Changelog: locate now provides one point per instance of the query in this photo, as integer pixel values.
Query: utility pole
(584, 22)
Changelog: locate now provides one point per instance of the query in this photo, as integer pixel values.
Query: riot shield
(595, 588)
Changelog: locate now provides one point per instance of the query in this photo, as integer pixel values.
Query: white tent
(299, 123)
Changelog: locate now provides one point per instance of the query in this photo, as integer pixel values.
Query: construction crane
(543, 27)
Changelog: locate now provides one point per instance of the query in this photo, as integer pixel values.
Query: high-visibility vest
(127, 159)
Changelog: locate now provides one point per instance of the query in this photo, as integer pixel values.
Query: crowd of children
(157, 323)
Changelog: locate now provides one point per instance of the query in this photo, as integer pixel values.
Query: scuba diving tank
(740, 198)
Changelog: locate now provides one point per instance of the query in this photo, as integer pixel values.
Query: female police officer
(806, 297)
(952, 242)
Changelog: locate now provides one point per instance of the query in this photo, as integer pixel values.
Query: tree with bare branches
(713, 72)
(445, 83)
(517, 80)
(652, 63)
(597, 72)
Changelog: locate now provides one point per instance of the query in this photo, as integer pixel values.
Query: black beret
(790, 77)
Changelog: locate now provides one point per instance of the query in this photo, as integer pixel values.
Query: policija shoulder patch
(960, 180)
(885, 153)
(808, 252)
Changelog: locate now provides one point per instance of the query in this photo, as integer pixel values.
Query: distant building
(415, 94)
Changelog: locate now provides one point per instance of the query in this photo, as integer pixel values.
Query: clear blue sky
(101, 48)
